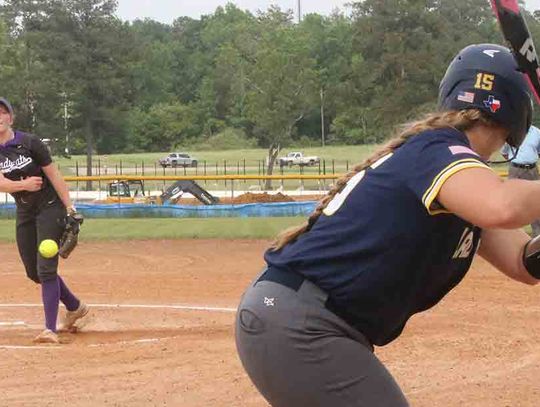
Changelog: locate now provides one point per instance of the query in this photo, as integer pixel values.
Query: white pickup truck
(298, 158)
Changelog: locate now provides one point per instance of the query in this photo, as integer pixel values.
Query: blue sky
(167, 10)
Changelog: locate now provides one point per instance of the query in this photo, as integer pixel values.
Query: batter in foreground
(390, 240)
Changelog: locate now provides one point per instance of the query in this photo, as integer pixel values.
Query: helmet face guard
(486, 77)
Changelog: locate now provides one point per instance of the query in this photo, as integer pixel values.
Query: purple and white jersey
(22, 157)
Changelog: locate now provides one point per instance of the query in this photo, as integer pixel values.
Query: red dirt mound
(250, 197)
(261, 197)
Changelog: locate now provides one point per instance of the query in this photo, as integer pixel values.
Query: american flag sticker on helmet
(461, 150)
(467, 97)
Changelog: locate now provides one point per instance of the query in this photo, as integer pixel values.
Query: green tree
(152, 68)
(164, 127)
(229, 38)
(330, 44)
(281, 84)
(406, 46)
(73, 58)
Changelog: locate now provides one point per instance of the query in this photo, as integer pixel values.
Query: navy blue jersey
(22, 157)
(384, 248)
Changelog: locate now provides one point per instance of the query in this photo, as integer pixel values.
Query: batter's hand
(32, 184)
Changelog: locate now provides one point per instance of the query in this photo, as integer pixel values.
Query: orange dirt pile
(262, 197)
(246, 198)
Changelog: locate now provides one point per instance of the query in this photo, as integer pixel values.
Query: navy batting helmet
(486, 77)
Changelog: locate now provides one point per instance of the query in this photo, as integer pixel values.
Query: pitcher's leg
(49, 225)
(50, 295)
(26, 237)
(67, 297)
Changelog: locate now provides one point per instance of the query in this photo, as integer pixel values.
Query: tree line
(79, 75)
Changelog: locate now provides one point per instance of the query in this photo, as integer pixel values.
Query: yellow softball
(48, 248)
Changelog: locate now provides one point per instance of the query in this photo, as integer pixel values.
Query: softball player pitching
(390, 240)
(43, 205)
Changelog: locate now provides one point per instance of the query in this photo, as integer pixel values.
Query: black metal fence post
(77, 172)
(205, 171)
(225, 170)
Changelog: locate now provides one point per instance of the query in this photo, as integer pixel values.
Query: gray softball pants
(299, 354)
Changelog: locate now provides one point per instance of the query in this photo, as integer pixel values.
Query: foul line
(12, 323)
(164, 306)
(29, 347)
(135, 341)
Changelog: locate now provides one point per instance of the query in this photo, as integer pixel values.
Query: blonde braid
(461, 120)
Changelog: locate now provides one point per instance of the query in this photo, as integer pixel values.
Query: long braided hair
(461, 120)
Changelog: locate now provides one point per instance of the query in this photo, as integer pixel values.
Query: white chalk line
(143, 306)
(12, 323)
(94, 345)
(29, 347)
(138, 341)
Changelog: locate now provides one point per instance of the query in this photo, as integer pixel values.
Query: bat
(519, 39)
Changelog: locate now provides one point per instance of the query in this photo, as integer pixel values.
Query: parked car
(298, 158)
(178, 160)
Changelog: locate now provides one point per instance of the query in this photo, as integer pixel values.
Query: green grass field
(140, 229)
(144, 229)
(336, 159)
(340, 154)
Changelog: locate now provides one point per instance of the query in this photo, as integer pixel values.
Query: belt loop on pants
(286, 278)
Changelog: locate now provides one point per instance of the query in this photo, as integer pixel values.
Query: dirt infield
(480, 347)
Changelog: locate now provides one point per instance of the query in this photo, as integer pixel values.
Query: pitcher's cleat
(47, 336)
(69, 323)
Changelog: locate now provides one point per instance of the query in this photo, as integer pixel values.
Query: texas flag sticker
(492, 104)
